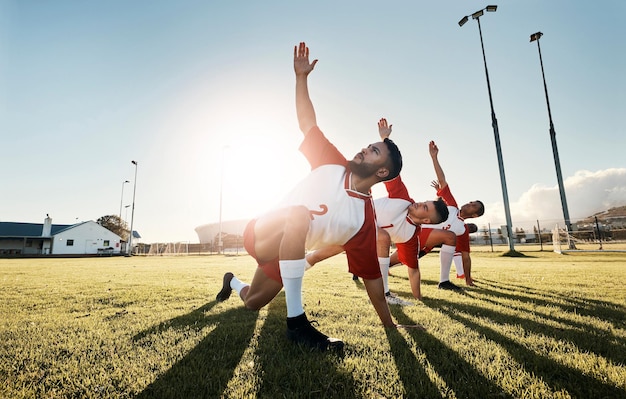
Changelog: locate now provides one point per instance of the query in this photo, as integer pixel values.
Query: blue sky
(197, 90)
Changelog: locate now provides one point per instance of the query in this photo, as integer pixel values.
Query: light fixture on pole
(132, 213)
(494, 124)
(555, 152)
(122, 199)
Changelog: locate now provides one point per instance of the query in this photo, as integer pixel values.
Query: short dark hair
(442, 210)
(481, 211)
(395, 159)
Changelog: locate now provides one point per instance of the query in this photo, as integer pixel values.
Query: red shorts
(463, 242)
(424, 234)
(271, 268)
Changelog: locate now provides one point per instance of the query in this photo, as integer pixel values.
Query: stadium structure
(232, 234)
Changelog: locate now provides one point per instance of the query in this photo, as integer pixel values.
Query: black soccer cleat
(308, 335)
(448, 285)
(224, 294)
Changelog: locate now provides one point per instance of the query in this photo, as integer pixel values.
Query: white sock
(445, 257)
(458, 264)
(237, 285)
(292, 271)
(383, 263)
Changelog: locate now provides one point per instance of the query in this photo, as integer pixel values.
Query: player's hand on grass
(410, 326)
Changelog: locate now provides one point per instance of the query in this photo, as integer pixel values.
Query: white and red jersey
(392, 215)
(339, 215)
(455, 223)
(391, 211)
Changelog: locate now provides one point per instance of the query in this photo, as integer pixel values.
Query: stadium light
(494, 124)
(555, 152)
(132, 213)
(122, 199)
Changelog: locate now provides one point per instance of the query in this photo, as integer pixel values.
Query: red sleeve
(397, 189)
(319, 151)
(447, 196)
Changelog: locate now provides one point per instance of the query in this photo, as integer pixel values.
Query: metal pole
(122, 199)
(539, 232)
(132, 213)
(555, 151)
(496, 134)
(598, 229)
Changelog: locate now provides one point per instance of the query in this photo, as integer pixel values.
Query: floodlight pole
(494, 124)
(132, 213)
(555, 151)
(122, 199)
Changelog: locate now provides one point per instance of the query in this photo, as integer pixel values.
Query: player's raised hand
(435, 184)
(433, 149)
(384, 130)
(301, 64)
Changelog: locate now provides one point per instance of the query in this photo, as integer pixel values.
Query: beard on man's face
(362, 169)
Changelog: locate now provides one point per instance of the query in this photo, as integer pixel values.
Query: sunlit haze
(201, 95)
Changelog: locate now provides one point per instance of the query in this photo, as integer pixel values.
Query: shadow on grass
(459, 376)
(411, 372)
(205, 371)
(291, 370)
(607, 311)
(554, 374)
(282, 368)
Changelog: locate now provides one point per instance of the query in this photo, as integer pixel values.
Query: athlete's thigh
(268, 233)
(261, 291)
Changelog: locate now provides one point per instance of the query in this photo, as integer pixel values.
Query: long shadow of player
(557, 375)
(206, 370)
(292, 370)
(608, 311)
(463, 378)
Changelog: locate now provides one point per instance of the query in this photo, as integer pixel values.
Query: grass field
(540, 326)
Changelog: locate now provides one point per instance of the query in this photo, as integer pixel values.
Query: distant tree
(114, 224)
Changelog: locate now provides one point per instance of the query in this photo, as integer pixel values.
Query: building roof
(14, 229)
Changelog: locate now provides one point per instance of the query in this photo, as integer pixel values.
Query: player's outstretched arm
(304, 107)
(434, 152)
(376, 292)
(384, 130)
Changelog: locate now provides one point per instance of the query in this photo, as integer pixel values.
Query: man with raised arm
(455, 222)
(331, 206)
(399, 218)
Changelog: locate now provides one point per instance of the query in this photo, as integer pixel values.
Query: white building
(85, 238)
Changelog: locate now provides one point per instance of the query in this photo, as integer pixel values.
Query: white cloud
(587, 193)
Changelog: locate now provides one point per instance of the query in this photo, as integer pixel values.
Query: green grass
(540, 326)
